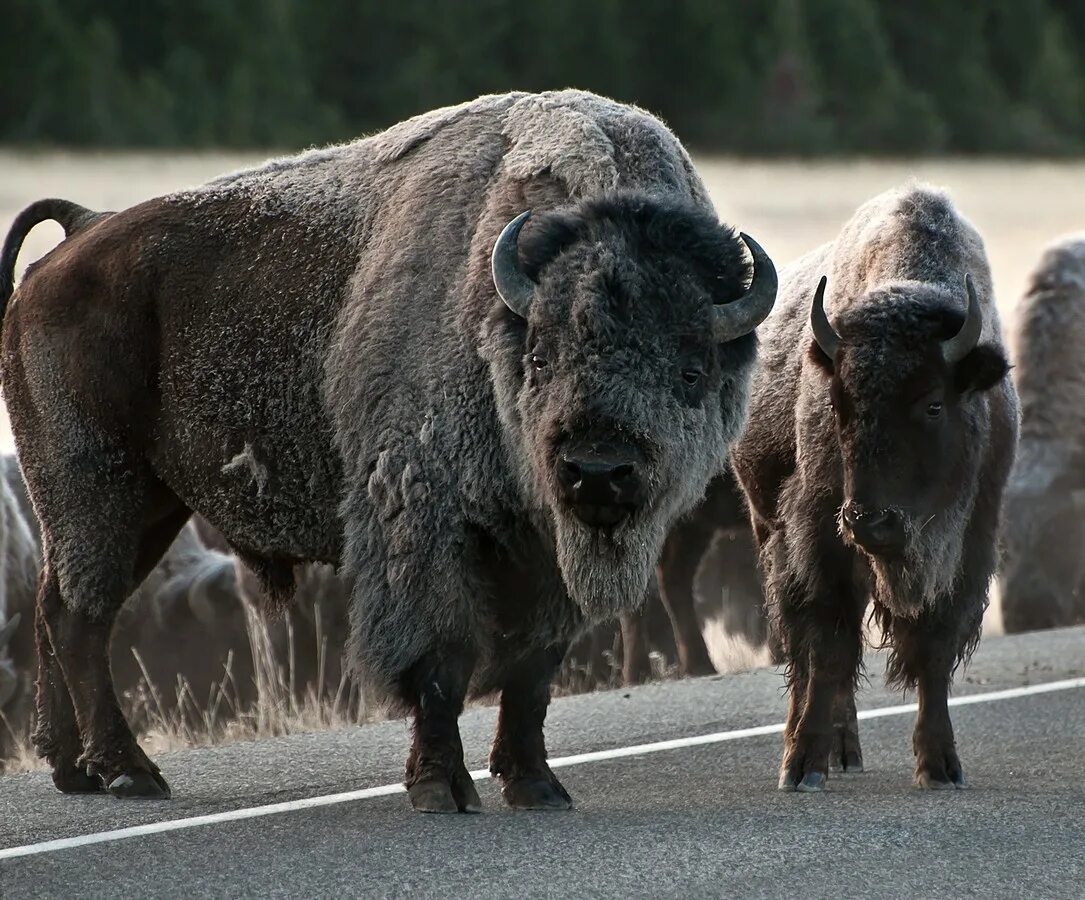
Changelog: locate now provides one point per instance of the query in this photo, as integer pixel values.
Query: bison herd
(448, 402)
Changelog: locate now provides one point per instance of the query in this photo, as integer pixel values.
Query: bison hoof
(939, 769)
(536, 792)
(812, 783)
(805, 768)
(71, 779)
(436, 795)
(848, 761)
(141, 784)
(940, 781)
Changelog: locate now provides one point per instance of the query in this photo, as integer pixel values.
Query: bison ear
(820, 359)
(982, 368)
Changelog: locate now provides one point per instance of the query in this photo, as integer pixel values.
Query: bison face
(905, 378)
(1043, 564)
(622, 376)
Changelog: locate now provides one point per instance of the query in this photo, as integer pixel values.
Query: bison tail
(71, 217)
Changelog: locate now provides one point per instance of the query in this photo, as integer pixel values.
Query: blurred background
(780, 77)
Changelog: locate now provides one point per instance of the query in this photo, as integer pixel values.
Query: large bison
(370, 355)
(882, 430)
(1042, 577)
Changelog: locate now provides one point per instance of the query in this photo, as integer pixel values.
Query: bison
(482, 361)
(1042, 575)
(882, 431)
(708, 569)
(20, 560)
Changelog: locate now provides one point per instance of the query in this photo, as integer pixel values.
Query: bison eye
(539, 362)
(934, 410)
(691, 376)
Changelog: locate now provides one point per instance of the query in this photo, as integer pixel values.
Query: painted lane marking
(561, 762)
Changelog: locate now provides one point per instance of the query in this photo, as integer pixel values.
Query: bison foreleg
(924, 654)
(846, 755)
(636, 665)
(675, 574)
(822, 640)
(518, 757)
(436, 778)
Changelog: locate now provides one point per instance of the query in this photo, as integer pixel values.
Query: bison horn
(956, 348)
(824, 333)
(733, 320)
(515, 288)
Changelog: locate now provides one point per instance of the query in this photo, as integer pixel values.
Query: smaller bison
(1042, 579)
(881, 435)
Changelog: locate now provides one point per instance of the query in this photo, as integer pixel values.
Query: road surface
(698, 815)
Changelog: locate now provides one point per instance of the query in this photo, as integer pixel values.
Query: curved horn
(515, 288)
(824, 333)
(741, 316)
(956, 348)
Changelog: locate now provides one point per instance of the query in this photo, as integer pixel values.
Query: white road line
(274, 809)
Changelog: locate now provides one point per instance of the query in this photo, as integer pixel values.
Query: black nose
(879, 530)
(602, 489)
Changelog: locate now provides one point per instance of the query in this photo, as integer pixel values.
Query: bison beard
(908, 584)
(607, 571)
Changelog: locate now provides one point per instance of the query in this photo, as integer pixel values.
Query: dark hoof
(141, 784)
(74, 780)
(939, 770)
(812, 783)
(537, 792)
(435, 795)
(804, 771)
(931, 782)
(698, 668)
(850, 762)
(463, 790)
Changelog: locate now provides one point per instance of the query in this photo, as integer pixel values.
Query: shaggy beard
(908, 584)
(606, 571)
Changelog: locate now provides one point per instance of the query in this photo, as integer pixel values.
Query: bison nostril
(852, 513)
(622, 473)
(569, 473)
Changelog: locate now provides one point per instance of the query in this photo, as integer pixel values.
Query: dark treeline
(745, 76)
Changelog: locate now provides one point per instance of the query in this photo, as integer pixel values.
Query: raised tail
(71, 217)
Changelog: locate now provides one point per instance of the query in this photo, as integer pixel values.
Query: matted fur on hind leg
(92, 587)
(56, 734)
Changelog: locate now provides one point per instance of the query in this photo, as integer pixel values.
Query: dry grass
(170, 717)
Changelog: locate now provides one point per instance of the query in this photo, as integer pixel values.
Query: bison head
(626, 346)
(906, 375)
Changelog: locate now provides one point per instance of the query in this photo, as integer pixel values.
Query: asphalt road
(696, 819)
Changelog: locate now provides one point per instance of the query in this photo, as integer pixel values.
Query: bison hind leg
(102, 537)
